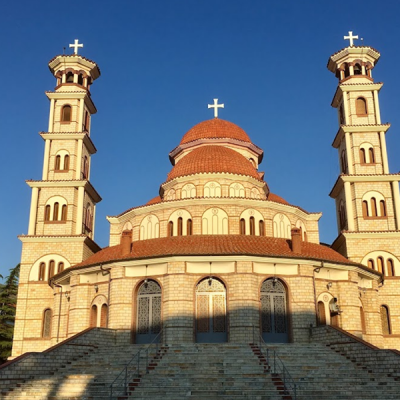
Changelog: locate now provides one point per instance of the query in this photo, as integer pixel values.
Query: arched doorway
(274, 321)
(148, 321)
(211, 326)
(321, 313)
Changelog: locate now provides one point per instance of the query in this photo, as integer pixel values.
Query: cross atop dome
(76, 45)
(215, 106)
(350, 38)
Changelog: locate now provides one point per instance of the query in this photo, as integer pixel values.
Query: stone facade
(217, 256)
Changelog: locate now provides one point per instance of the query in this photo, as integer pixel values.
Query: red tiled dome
(209, 159)
(213, 129)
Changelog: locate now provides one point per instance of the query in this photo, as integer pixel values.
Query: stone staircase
(83, 368)
(207, 371)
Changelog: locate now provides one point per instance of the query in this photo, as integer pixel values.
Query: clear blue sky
(162, 61)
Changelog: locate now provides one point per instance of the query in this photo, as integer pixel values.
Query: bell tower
(63, 204)
(366, 193)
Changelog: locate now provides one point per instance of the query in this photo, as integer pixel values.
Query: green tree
(8, 302)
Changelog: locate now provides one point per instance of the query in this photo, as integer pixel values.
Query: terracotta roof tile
(209, 245)
(209, 159)
(154, 200)
(277, 199)
(215, 128)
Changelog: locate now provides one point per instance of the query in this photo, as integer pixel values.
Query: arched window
(342, 215)
(382, 207)
(357, 69)
(47, 212)
(362, 156)
(60, 267)
(189, 227)
(46, 326)
(390, 267)
(51, 268)
(103, 316)
(170, 228)
(57, 163)
(64, 212)
(85, 168)
(371, 263)
(346, 70)
(343, 159)
(371, 155)
(373, 207)
(66, 112)
(341, 115)
(66, 163)
(262, 228)
(70, 77)
(86, 126)
(361, 106)
(252, 226)
(55, 211)
(180, 221)
(42, 271)
(80, 79)
(380, 264)
(362, 318)
(93, 316)
(242, 226)
(385, 320)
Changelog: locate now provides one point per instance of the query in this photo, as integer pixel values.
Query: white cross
(215, 106)
(76, 46)
(351, 38)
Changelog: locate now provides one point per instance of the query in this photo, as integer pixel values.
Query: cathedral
(215, 256)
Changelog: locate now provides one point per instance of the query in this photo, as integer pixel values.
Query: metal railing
(276, 365)
(132, 370)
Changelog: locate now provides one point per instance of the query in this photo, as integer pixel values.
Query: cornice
(358, 129)
(337, 187)
(353, 87)
(73, 136)
(67, 183)
(73, 96)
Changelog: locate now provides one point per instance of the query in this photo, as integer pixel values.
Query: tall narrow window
(344, 162)
(70, 77)
(66, 162)
(362, 156)
(361, 106)
(86, 126)
(305, 236)
(60, 267)
(189, 227)
(57, 163)
(346, 70)
(252, 226)
(47, 210)
(365, 208)
(386, 328)
(382, 207)
(390, 267)
(373, 207)
(170, 228)
(371, 155)
(64, 212)
(180, 221)
(103, 316)
(51, 268)
(242, 226)
(262, 228)
(380, 264)
(371, 264)
(362, 318)
(341, 115)
(55, 211)
(42, 271)
(46, 327)
(93, 316)
(66, 113)
(80, 79)
(85, 168)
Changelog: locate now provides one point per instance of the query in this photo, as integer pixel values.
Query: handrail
(276, 365)
(125, 376)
